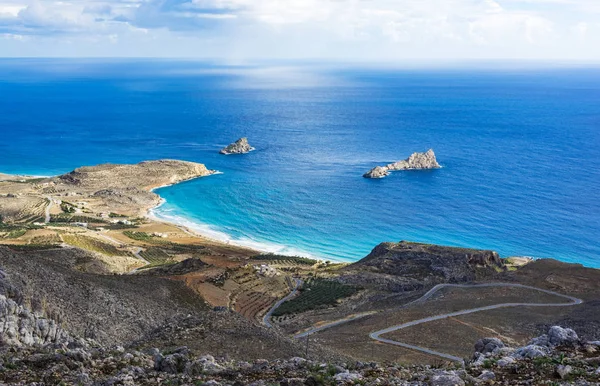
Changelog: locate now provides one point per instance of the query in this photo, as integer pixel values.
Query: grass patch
(15, 234)
(92, 244)
(316, 293)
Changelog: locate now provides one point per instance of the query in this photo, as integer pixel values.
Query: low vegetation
(286, 260)
(46, 239)
(139, 236)
(316, 293)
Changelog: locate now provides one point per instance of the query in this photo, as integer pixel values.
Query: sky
(341, 30)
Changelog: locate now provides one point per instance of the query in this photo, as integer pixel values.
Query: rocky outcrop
(417, 161)
(377, 172)
(19, 326)
(241, 146)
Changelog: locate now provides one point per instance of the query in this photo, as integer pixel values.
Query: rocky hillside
(45, 298)
(110, 309)
(429, 264)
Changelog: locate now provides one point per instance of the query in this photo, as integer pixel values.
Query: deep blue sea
(520, 149)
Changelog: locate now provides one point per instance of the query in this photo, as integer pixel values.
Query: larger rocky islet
(416, 161)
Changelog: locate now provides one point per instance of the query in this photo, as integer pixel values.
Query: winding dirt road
(572, 301)
(269, 314)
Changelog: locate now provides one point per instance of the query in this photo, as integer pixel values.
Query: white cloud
(316, 28)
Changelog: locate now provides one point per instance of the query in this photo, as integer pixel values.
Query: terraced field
(33, 212)
(252, 304)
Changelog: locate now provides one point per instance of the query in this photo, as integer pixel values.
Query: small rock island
(417, 161)
(241, 146)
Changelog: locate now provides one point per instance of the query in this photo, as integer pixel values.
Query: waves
(207, 231)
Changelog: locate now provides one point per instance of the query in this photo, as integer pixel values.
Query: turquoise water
(520, 149)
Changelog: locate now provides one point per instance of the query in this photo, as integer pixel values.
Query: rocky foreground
(556, 358)
(417, 161)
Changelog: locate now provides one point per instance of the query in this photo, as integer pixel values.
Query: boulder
(506, 361)
(241, 146)
(446, 378)
(347, 377)
(487, 376)
(530, 352)
(377, 172)
(417, 161)
(563, 371)
(558, 336)
(488, 345)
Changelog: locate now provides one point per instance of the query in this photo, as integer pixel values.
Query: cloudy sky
(364, 30)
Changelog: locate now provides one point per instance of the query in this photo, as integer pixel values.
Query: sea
(519, 146)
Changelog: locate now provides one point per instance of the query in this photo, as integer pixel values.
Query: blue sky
(356, 30)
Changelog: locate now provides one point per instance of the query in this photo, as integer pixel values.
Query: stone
(377, 172)
(488, 345)
(297, 361)
(347, 377)
(446, 378)
(241, 146)
(563, 371)
(487, 376)
(416, 161)
(505, 361)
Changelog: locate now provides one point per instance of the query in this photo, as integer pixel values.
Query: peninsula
(92, 290)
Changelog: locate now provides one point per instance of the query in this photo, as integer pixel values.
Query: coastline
(196, 228)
